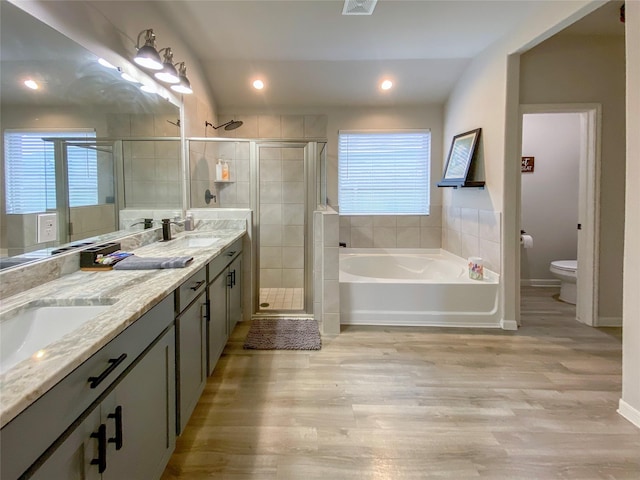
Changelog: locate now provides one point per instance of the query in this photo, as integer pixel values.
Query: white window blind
(384, 173)
(29, 163)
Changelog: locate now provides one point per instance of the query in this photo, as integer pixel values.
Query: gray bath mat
(283, 334)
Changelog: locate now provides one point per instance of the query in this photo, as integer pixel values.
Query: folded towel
(140, 263)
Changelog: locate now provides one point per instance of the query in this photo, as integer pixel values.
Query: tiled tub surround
(136, 293)
(392, 231)
(469, 232)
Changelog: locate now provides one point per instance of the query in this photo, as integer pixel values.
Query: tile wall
(391, 231)
(152, 169)
(282, 213)
(471, 232)
(326, 286)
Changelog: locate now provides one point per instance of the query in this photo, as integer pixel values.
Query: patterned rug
(283, 334)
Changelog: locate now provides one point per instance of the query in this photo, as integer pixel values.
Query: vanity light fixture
(168, 74)
(147, 55)
(31, 84)
(148, 88)
(106, 64)
(258, 84)
(184, 85)
(386, 84)
(128, 77)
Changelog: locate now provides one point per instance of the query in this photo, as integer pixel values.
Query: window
(384, 173)
(29, 164)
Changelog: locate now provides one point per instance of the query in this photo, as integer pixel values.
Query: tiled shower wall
(470, 232)
(282, 217)
(152, 169)
(203, 156)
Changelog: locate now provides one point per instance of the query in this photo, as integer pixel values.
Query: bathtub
(414, 287)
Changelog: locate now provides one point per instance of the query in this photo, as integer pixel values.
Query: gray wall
(550, 192)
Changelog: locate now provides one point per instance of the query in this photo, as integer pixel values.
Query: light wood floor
(414, 403)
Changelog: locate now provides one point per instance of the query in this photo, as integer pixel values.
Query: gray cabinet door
(140, 416)
(218, 329)
(135, 424)
(72, 459)
(192, 358)
(235, 293)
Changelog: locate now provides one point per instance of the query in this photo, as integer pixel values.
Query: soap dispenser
(188, 222)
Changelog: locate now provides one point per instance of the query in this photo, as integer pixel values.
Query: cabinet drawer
(224, 258)
(191, 288)
(73, 395)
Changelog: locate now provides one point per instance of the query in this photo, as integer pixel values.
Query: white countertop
(136, 291)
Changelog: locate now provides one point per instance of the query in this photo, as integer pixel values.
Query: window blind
(30, 167)
(384, 173)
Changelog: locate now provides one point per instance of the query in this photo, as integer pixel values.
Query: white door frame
(588, 202)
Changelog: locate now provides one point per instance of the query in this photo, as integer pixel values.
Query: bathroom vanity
(108, 399)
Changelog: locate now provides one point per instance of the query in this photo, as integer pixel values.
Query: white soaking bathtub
(414, 287)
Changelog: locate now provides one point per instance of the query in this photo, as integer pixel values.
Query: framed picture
(461, 154)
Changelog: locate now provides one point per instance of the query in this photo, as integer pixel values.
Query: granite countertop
(135, 292)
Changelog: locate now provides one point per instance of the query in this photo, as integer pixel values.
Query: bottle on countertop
(188, 222)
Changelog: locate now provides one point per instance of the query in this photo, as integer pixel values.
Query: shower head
(231, 125)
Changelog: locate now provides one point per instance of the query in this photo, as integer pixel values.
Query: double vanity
(101, 370)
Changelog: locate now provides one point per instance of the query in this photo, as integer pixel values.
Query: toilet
(567, 272)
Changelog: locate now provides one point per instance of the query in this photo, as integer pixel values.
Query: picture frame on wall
(461, 154)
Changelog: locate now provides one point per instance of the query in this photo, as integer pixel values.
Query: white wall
(549, 194)
(630, 403)
(590, 69)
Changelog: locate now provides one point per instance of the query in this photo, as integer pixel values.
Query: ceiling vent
(359, 7)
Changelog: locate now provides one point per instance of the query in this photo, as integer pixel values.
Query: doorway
(581, 215)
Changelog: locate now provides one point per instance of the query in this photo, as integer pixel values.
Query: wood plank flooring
(414, 403)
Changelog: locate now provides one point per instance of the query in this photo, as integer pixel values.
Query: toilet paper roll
(476, 268)
(526, 241)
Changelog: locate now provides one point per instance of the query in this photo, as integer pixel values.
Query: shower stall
(279, 181)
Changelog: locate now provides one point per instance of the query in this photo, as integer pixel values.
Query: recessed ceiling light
(258, 84)
(104, 63)
(31, 84)
(386, 85)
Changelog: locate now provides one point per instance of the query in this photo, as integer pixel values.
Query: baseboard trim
(609, 322)
(508, 324)
(630, 413)
(539, 282)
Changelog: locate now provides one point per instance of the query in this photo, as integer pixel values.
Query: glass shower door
(281, 228)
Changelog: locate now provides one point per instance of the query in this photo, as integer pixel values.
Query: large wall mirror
(78, 150)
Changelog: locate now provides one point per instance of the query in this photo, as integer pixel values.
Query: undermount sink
(199, 241)
(30, 331)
